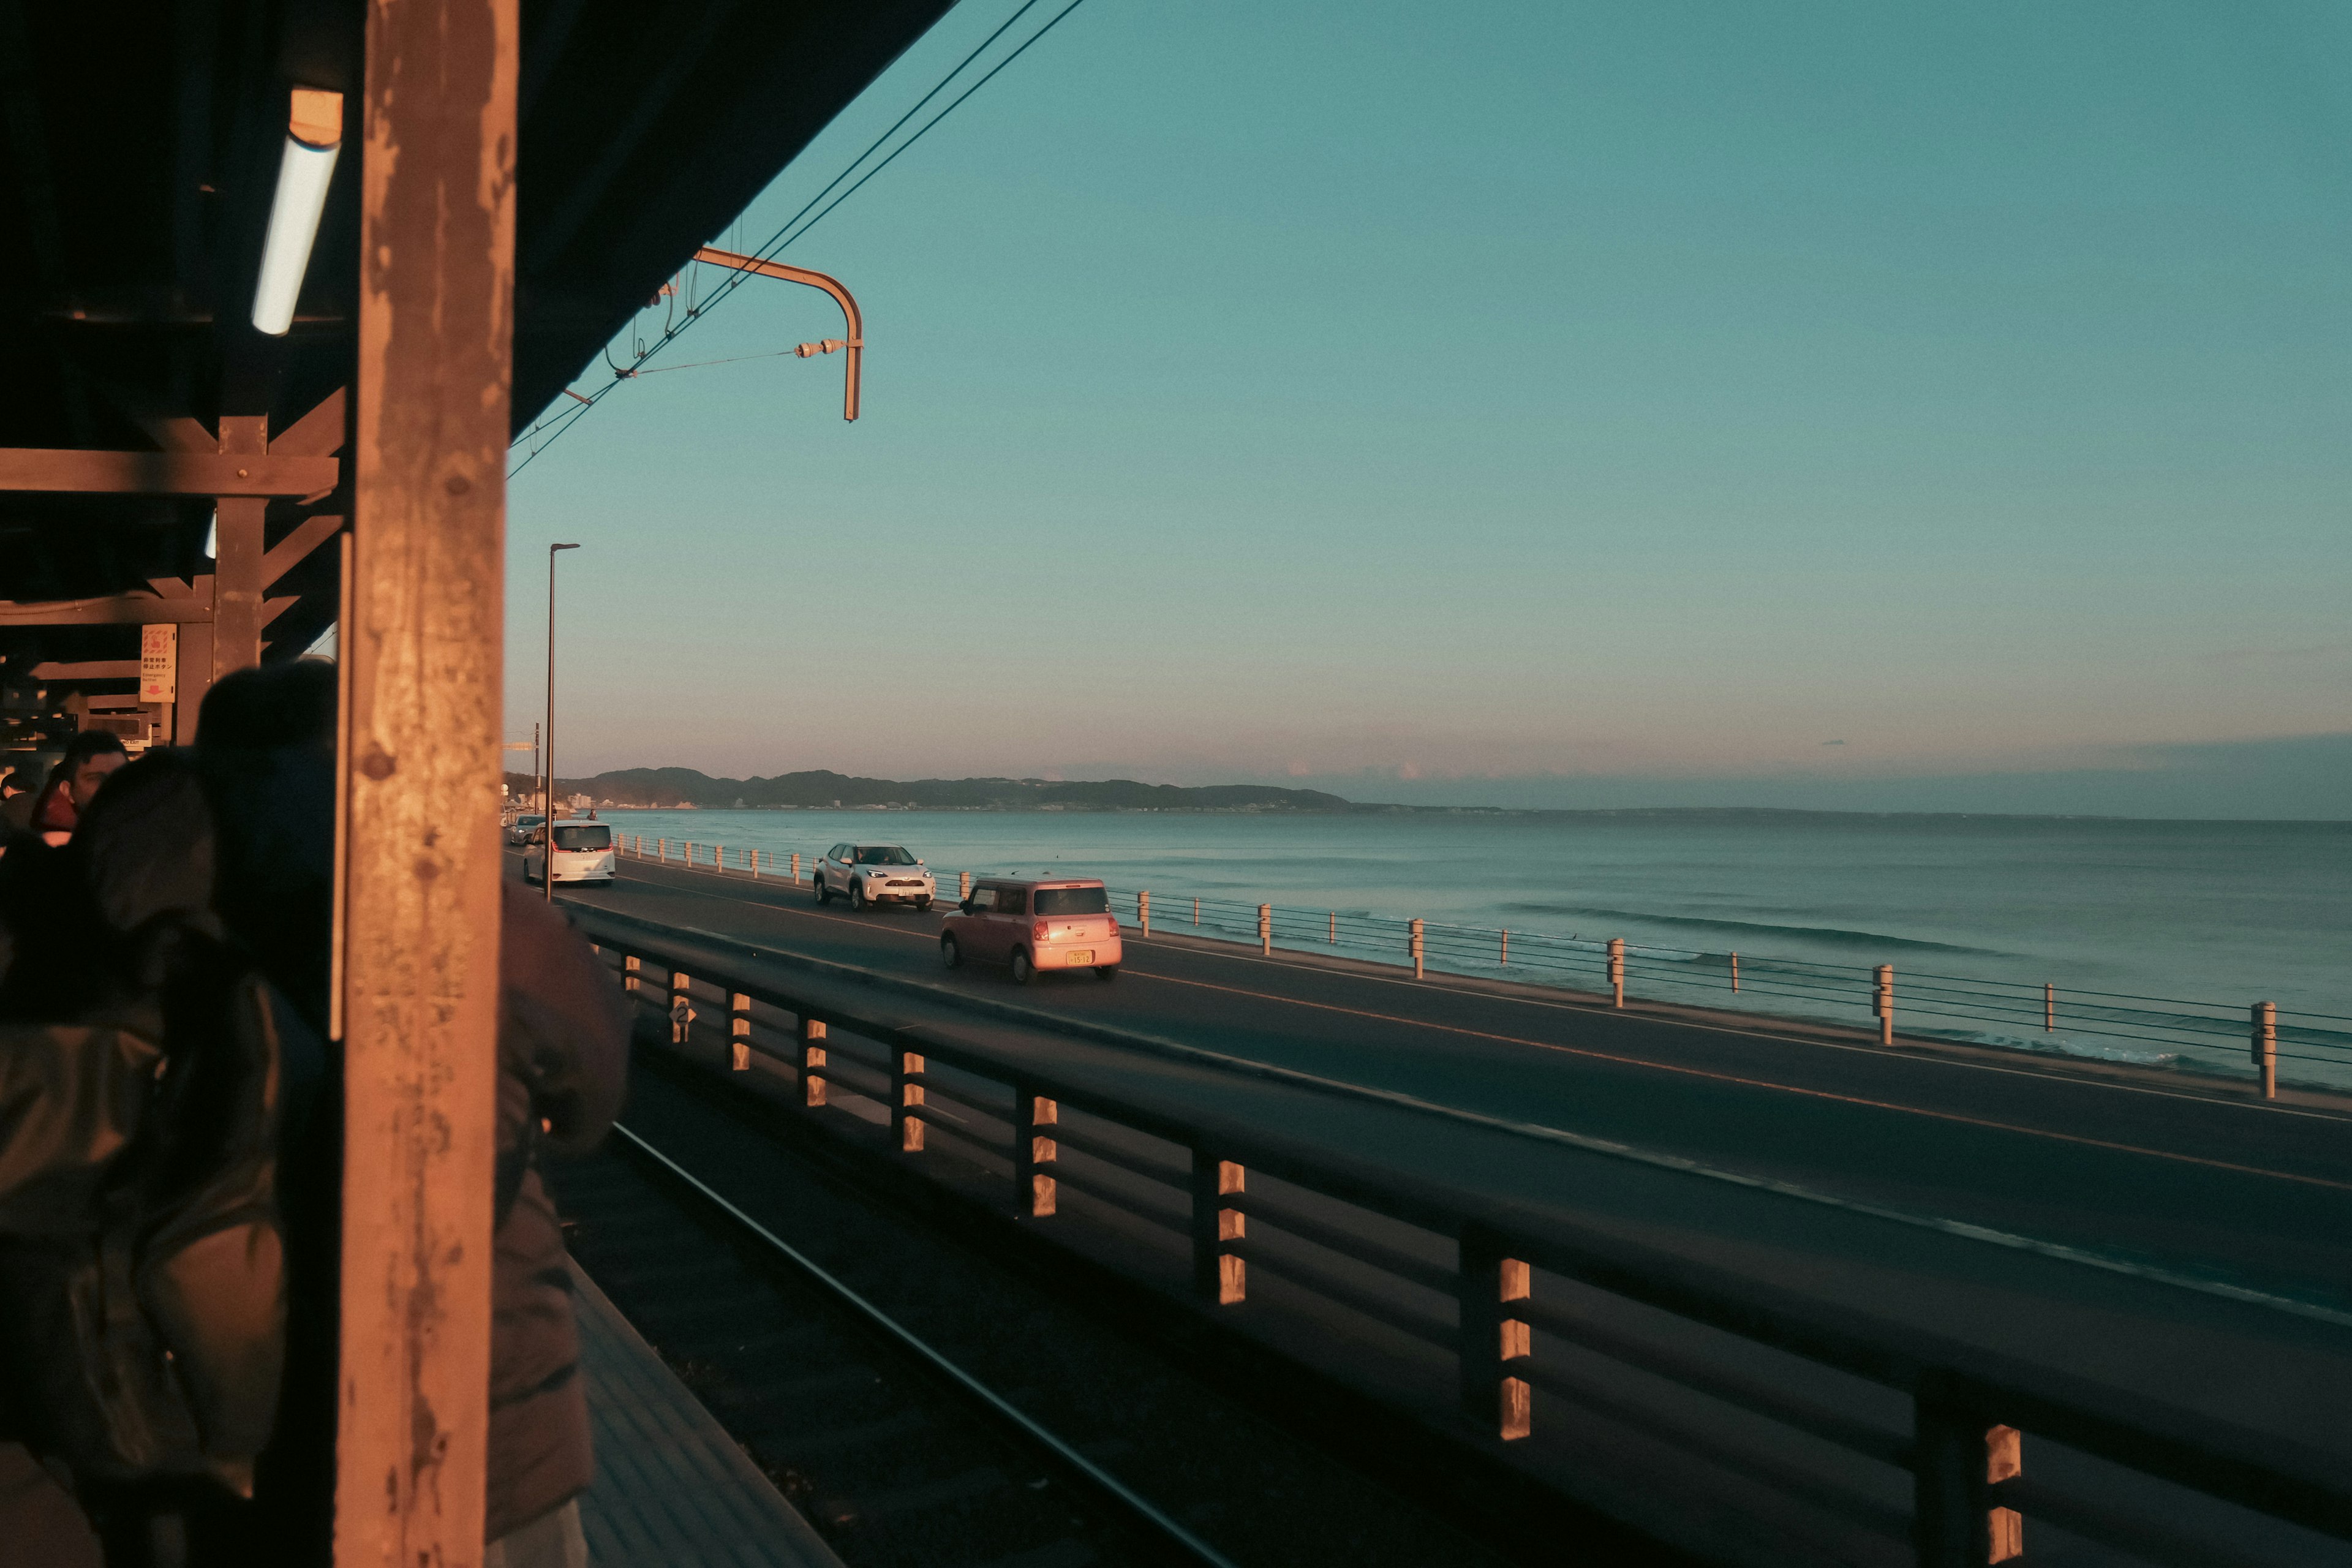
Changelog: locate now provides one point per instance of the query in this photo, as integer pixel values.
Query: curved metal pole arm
(856, 344)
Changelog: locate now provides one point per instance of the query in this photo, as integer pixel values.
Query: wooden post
(906, 1100)
(1735, 973)
(1218, 1274)
(1505, 961)
(2265, 1046)
(1033, 1152)
(812, 1062)
(1143, 912)
(1617, 972)
(237, 552)
(1492, 1336)
(1335, 928)
(1414, 946)
(738, 1031)
(434, 278)
(1958, 1457)
(681, 1008)
(1882, 1002)
(1265, 930)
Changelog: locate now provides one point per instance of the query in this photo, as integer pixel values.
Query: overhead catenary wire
(544, 433)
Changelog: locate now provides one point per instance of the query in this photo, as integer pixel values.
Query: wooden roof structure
(514, 179)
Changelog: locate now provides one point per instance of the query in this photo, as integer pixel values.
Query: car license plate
(1081, 955)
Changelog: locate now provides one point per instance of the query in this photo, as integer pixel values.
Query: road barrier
(1524, 1309)
(2156, 1031)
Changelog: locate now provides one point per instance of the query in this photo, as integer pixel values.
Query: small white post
(1414, 946)
(1735, 973)
(2266, 1046)
(1265, 930)
(1617, 972)
(1882, 1002)
(796, 867)
(1143, 912)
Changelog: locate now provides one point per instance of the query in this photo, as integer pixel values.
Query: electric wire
(788, 234)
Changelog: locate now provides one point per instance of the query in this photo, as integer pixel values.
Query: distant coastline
(689, 789)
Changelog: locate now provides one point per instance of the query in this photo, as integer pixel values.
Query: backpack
(143, 1259)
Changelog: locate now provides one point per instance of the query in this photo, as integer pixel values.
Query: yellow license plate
(1081, 955)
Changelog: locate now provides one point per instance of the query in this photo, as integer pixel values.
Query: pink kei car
(1034, 925)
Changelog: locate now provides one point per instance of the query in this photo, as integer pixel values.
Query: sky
(1830, 405)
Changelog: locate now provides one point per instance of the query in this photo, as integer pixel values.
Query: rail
(1515, 1304)
(2259, 1040)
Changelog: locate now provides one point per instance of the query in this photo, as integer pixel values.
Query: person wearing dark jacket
(563, 1047)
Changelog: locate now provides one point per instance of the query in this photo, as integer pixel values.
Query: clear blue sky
(1841, 404)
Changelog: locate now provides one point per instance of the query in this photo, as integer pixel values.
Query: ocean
(2223, 914)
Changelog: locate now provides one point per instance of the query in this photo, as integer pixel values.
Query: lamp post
(547, 749)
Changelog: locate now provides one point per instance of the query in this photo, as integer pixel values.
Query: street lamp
(546, 751)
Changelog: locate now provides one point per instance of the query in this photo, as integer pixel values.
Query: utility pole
(547, 828)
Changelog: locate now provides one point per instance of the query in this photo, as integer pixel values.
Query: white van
(583, 852)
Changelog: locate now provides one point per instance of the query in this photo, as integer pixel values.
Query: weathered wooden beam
(64, 470)
(237, 548)
(89, 669)
(109, 610)
(423, 652)
(317, 433)
(289, 551)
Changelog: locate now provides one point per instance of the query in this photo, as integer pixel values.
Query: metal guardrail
(2315, 1048)
(1360, 1239)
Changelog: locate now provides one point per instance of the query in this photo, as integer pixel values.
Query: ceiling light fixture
(314, 135)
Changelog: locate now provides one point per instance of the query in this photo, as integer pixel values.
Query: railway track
(922, 1407)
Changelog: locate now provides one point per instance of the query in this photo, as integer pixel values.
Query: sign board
(159, 663)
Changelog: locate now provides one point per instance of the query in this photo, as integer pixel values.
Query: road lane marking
(2043, 1074)
(1710, 1073)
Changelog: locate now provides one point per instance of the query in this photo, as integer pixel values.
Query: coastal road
(2142, 1168)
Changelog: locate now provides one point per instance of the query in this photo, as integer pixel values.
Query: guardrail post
(719, 858)
(1735, 973)
(1414, 946)
(1492, 1336)
(1265, 930)
(906, 1100)
(629, 973)
(1219, 1275)
(964, 886)
(738, 1031)
(1143, 912)
(681, 1008)
(2049, 1008)
(2265, 1046)
(812, 1062)
(1035, 1153)
(689, 853)
(1882, 1002)
(1196, 911)
(754, 853)
(661, 847)
(1617, 972)
(1958, 1457)
(1335, 928)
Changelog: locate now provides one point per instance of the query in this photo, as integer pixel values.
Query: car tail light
(1039, 930)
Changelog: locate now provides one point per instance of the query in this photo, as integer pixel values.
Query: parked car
(584, 853)
(1033, 925)
(870, 874)
(523, 827)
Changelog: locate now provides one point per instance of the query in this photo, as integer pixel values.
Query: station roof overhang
(139, 147)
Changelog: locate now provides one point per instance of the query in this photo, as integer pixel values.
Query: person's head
(91, 757)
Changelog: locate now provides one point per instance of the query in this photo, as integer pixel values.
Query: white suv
(871, 874)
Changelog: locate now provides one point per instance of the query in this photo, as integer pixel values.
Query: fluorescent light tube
(314, 136)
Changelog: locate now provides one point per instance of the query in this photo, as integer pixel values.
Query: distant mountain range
(687, 788)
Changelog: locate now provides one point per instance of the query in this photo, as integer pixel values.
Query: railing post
(689, 853)
(1505, 961)
(812, 1061)
(1035, 1153)
(1218, 1275)
(1735, 973)
(796, 865)
(1958, 1457)
(1265, 931)
(629, 973)
(681, 1008)
(1882, 1002)
(1196, 911)
(2049, 1008)
(738, 1031)
(964, 886)
(1492, 1336)
(2266, 1046)
(906, 1100)
(1143, 912)
(1335, 928)
(719, 858)
(661, 849)
(1414, 946)
(754, 853)
(1617, 972)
